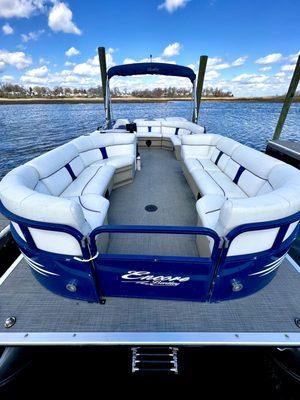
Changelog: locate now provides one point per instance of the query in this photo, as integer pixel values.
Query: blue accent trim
(151, 68)
(103, 152)
(71, 172)
(27, 235)
(204, 279)
(46, 226)
(176, 230)
(176, 131)
(219, 156)
(280, 235)
(238, 174)
(149, 129)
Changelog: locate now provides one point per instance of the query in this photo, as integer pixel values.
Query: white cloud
(20, 8)
(172, 50)
(69, 64)
(172, 5)
(211, 75)
(264, 69)
(129, 61)
(248, 79)
(294, 57)
(17, 59)
(269, 59)
(43, 61)
(239, 61)
(7, 29)
(192, 66)
(222, 66)
(72, 52)
(7, 78)
(154, 59)
(38, 72)
(217, 63)
(91, 66)
(288, 67)
(26, 37)
(280, 74)
(213, 61)
(86, 69)
(60, 19)
(2, 66)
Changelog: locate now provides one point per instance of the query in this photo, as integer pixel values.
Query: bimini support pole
(105, 86)
(288, 100)
(201, 74)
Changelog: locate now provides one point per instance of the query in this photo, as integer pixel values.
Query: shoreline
(78, 100)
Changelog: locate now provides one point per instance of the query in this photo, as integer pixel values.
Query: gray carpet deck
(273, 309)
(160, 182)
(3, 222)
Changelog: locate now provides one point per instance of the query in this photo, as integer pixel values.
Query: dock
(285, 150)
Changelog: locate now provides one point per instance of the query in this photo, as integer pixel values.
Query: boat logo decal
(269, 267)
(145, 278)
(39, 268)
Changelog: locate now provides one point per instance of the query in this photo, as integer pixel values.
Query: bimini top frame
(148, 68)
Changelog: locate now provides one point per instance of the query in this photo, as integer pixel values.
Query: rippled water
(31, 129)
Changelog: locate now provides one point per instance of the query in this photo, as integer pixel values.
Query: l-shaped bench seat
(235, 185)
(163, 133)
(70, 185)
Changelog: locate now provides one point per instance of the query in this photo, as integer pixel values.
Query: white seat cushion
(216, 182)
(206, 164)
(92, 180)
(142, 134)
(116, 161)
(208, 209)
(94, 208)
(176, 140)
(193, 164)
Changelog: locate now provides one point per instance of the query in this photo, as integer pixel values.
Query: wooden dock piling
(103, 72)
(200, 81)
(288, 100)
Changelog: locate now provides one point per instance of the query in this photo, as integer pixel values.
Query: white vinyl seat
(238, 185)
(94, 207)
(165, 132)
(69, 186)
(92, 180)
(216, 182)
(117, 161)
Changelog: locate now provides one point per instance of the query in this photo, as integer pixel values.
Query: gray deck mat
(160, 182)
(273, 309)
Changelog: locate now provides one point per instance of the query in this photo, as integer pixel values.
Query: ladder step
(154, 359)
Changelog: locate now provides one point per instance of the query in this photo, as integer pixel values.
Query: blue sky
(252, 45)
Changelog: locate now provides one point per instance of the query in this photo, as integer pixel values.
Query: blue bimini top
(152, 68)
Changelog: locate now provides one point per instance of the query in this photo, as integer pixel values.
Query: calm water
(31, 129)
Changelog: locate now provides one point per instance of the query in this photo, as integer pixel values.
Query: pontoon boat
(205, 218)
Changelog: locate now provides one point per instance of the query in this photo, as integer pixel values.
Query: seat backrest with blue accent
(35, 191)
(167, 127)
(271, 188)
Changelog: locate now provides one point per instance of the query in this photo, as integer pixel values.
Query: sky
(252, 45)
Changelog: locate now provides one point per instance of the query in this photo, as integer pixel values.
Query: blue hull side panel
(159, 278)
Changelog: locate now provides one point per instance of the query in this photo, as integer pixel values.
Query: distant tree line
(18, 91)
